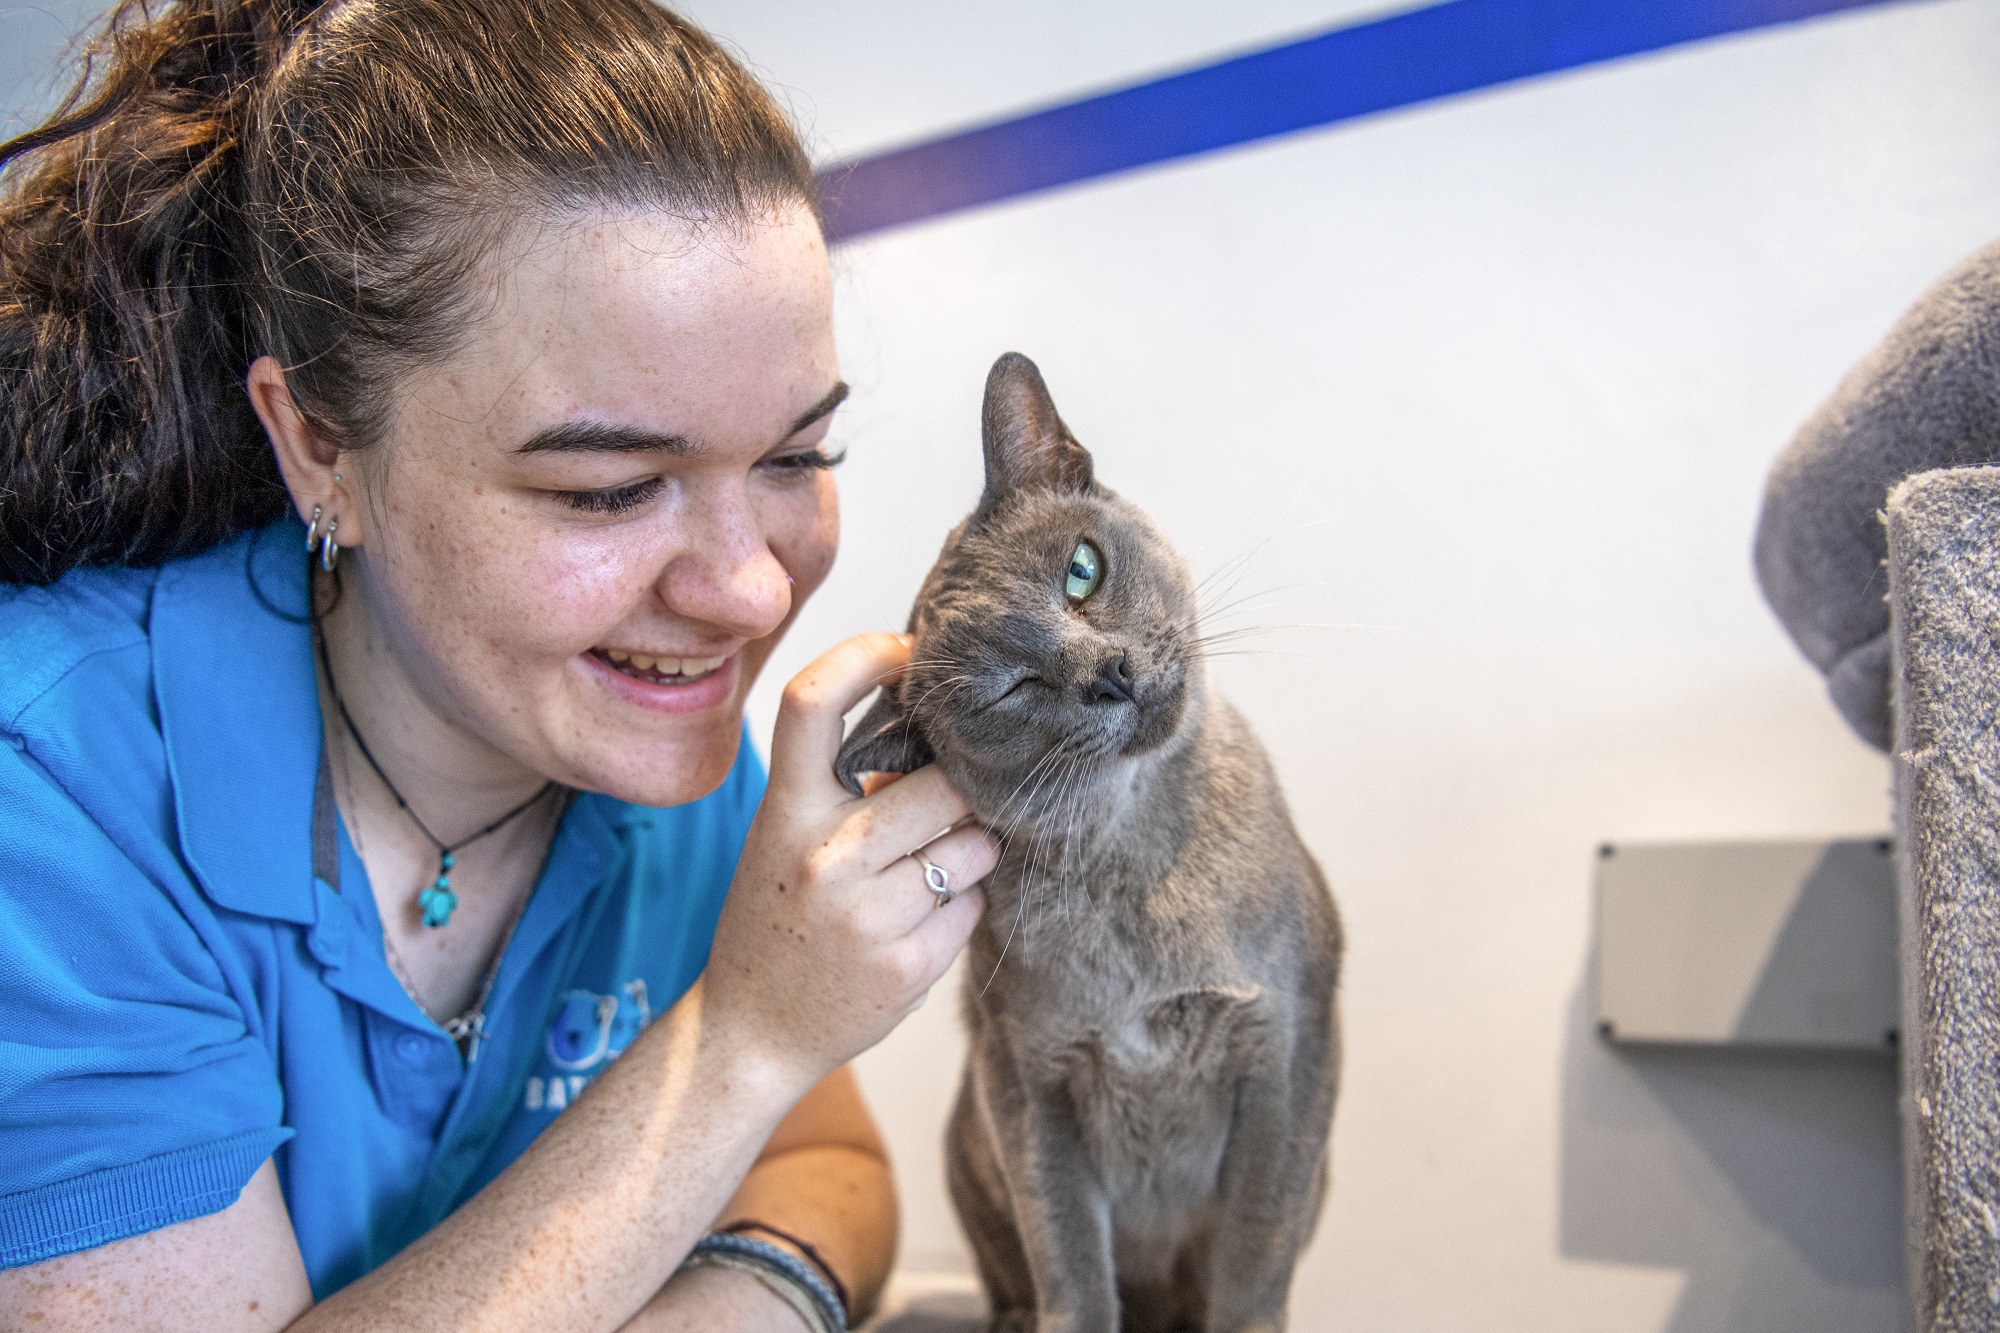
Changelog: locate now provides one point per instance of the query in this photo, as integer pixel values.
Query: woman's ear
(316, 473)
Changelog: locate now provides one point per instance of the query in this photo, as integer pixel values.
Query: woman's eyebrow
(834, 398)
(600, 437)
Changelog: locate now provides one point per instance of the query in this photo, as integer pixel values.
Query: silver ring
(935, 878)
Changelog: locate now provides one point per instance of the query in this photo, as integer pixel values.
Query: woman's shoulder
(111, 667)
(48, 634)
(173, 711)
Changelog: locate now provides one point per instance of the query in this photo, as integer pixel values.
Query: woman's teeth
(662, 668)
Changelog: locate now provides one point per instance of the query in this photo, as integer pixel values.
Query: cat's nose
(1113, 683)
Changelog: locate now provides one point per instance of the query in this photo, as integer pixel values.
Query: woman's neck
(455, 784)
(455, 780)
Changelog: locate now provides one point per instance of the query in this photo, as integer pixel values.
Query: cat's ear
(1027, 446)
(885, 740)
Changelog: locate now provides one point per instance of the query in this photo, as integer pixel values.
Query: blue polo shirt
(181, 997)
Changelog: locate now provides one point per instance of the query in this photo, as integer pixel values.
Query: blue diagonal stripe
(1445, 49)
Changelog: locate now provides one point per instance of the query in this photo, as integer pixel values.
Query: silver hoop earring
(329, 549)
(312, 528)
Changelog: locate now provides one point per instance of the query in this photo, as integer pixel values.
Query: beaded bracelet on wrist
(804, 1247)
(791, 1278)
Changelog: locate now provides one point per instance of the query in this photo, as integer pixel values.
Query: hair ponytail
(122, 316)
(231, 178)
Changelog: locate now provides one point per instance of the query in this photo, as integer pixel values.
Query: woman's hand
(830, 935)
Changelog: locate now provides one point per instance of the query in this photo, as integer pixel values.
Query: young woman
(413, 428)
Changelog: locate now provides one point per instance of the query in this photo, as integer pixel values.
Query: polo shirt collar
(239, 714)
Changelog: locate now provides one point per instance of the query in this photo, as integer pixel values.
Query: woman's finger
(910, 888)
(938, 938)
(812, 712)
(897, 821)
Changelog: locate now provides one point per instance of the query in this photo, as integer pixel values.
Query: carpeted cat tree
(1887, 490)
(1944, 595)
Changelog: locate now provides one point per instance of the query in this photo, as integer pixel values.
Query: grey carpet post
(1928, 396)
(1944, 595)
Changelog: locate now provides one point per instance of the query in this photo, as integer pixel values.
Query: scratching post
(1944, 594)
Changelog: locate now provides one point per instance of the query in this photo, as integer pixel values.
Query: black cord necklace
(436, 900)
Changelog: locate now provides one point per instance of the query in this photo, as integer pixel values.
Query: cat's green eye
(1084, 567)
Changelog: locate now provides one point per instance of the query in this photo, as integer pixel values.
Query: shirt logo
(590, 1030)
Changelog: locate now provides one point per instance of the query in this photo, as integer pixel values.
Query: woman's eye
(810, 460)
(614, 500)
(1085, 566)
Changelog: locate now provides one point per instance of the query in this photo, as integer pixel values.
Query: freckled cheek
(464, 545)
(805, 538)
(557, 602)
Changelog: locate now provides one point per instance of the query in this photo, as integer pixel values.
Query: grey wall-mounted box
(1787, 944)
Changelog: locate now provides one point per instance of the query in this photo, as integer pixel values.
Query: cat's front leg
(986, 1212)
(1062, 1219)
(1273, 1182)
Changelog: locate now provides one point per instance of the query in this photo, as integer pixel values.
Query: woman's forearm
(708, 1299)
(590, 1221)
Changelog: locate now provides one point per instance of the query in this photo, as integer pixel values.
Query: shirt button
(413, 1049)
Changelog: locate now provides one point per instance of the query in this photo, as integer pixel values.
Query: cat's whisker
(1237, 561)
(1045, 767)
(1268, 626)
(1235, 564)
(910, 718)
(1056, 771)
(1246, 604)
(1203, 590)
(1314, 624)
(1020, 910)
(1206, 645)
(1061, 799)
(1069, 835)
(1266, 652)
(1208, 627)
(883, 677)
(1054, 753)
(1059, 839)
(1034, 880)
(1237, 604)
(960, 679)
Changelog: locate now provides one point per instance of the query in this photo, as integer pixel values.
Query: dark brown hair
(234, 178)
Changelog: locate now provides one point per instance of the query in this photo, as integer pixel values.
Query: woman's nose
(725, 573)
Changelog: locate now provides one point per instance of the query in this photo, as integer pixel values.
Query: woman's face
(591, 524)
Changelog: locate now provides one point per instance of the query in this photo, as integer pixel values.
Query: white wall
(33, 38)
(1494, 382)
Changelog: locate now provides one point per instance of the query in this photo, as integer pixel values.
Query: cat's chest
(1152, 1083)
(1186, 1036)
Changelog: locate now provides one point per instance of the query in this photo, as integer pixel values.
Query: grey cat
(1140, 1138)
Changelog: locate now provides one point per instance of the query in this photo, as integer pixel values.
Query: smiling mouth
(659, 670)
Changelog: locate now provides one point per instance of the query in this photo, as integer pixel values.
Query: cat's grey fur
(1140, 1140)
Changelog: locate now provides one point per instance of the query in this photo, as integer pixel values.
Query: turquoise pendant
(438, 900)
